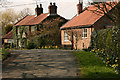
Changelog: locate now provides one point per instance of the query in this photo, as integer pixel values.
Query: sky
(66, 8)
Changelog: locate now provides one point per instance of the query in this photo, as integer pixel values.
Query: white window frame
(66, 37)
(84, 32)
(32, 28)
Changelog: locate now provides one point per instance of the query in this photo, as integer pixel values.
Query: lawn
(91, 66)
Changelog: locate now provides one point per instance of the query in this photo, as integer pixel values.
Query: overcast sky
(66, 8)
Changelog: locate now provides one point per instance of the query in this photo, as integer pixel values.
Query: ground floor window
(66, 37)
(84, 33)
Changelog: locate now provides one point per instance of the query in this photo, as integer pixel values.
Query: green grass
(91, 66)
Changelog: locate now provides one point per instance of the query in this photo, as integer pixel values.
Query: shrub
(31, 45)
(4, 54)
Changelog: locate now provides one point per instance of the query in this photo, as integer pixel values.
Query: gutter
(77, 27)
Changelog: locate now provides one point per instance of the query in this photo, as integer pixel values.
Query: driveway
(41, 63)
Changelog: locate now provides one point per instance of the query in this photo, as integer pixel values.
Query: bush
(4, 54)
(109, 40)
(31, 45)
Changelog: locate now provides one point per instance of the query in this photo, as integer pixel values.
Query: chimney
(79, 7)
(38, 10)
(52, 9)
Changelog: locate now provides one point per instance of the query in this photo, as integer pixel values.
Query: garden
(4, 54)
(92, 67)
(102, 58)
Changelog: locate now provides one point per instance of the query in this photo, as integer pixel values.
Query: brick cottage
(77, 32)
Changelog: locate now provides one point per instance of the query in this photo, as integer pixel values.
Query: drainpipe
(72, 42)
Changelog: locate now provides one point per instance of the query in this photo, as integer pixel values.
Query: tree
(114, 16)
(24, 12)
(105, 8)
(8, 28)
(9, 16)
(75, 36)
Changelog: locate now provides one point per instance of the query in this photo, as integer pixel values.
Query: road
(39, 63)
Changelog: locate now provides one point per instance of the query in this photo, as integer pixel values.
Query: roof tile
(88, 17)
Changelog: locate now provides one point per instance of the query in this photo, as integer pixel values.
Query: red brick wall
(81, 41)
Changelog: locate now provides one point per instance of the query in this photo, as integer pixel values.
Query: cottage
(8, 39)
(76, 33)
(30, 24)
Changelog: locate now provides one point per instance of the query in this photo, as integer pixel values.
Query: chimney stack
(79, 7)
(38, 10)
(52, 9)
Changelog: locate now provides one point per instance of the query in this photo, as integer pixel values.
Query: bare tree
(113, 7)
(24, 12)
(75, 36)
(112, 11)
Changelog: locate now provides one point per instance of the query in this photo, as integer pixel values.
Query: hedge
(109, 40)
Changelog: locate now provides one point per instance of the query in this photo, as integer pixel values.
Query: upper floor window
(32, 28)
(84, 33)
(66, 37)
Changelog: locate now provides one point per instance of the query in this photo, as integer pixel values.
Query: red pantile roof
(32, 20)
(24, 21)
(9, 35)
(87, 17)
(38, 19)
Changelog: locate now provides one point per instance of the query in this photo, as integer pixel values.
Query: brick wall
(82, 43)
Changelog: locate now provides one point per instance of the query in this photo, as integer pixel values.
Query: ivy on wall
(19, 37)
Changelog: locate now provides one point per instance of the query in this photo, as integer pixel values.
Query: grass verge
(91, 66)
(4, 54)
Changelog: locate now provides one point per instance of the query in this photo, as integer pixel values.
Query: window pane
(65, 36)
(85, 35)
(85, 30)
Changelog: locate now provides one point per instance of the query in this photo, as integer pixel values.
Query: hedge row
(107, 39)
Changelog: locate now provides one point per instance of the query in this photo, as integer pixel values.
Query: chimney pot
(79, 7)
(39, 10)
(40, 5)
(50, 3)
(52, 9)
(37, 6)
(54, 4)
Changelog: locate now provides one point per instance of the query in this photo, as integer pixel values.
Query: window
(66, 37)
(32, 28)
(84, 33)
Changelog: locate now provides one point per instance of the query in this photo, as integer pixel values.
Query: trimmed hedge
(109, 40)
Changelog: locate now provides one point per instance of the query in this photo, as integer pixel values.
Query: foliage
(108, 40)
(114, 14)
(92, 67)
(48, 47)
(111, 61)
(8, 28)
(9, 16)
(74, 33)
(31, 45)
(48, 33)
(4, 54)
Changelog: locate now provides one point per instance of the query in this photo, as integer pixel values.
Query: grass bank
(91, 66)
